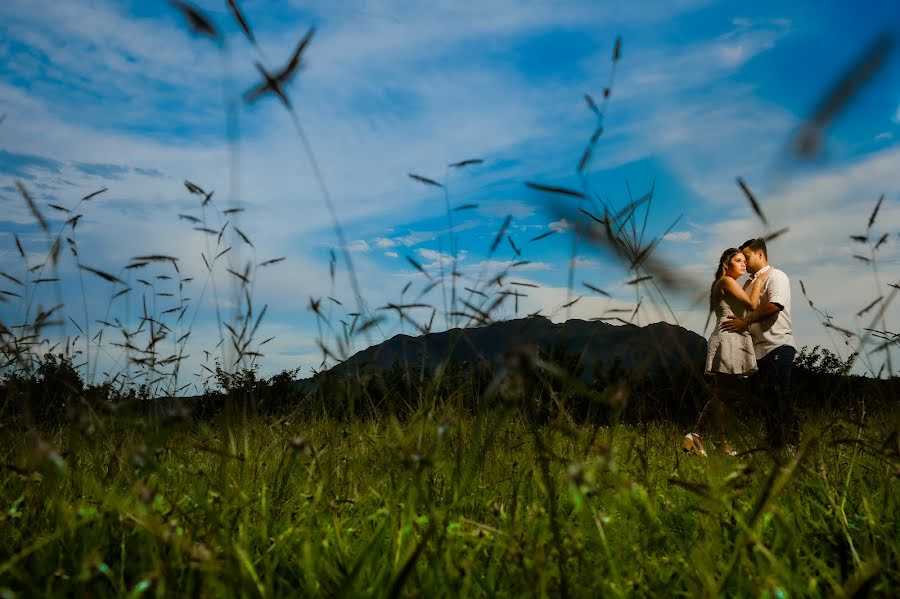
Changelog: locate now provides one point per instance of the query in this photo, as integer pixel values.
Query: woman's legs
(724, 385)
(705, 414)
(691, 441)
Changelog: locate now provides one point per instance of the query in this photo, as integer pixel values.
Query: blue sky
(121, 95)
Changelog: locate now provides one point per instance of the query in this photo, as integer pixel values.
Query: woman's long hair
(727, 255)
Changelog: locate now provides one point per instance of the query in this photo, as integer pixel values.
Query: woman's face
(737, 266)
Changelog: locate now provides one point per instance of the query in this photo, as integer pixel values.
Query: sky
(123, 96)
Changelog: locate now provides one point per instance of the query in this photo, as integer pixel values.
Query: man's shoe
(693, 445)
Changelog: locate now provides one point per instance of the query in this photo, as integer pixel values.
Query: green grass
(444, 506)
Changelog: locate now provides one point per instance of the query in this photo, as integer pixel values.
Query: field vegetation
(443, 502)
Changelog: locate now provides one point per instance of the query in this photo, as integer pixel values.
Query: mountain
(643, 350)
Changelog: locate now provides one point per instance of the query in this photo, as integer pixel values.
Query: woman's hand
(760, 278)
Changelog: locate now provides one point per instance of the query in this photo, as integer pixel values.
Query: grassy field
(443, 505)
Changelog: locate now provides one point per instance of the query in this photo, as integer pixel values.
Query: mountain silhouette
(638, 350)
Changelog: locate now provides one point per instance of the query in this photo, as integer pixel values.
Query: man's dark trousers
(773, 383)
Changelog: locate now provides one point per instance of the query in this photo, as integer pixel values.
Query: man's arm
(735, 324)
(778, 294)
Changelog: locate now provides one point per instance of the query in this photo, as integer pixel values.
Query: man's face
(755, 260)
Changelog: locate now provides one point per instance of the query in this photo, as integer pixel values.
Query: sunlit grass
(443, 506)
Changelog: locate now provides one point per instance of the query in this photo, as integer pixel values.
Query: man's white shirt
(772, 332)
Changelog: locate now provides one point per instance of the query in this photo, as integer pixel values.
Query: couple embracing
(751, 343)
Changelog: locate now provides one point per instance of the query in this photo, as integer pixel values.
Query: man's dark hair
(755, 245)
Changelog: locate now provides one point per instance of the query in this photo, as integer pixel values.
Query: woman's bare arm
(751, 301)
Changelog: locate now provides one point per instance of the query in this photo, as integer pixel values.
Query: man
(773, 343)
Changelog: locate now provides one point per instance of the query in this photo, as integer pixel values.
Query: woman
(729, 356)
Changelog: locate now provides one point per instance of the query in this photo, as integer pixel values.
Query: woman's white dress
(729, 353)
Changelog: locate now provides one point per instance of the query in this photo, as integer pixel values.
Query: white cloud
(560, 225)
(582, 262)
(433, 255)
(526, 228)
(493, 267)
(500, 208)
(549, 300)
(437, 260)
(415, 238)
(682, 104)
(360, 245)
(679, 236)
(676, 69)
(751, 37)
(391, 254)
